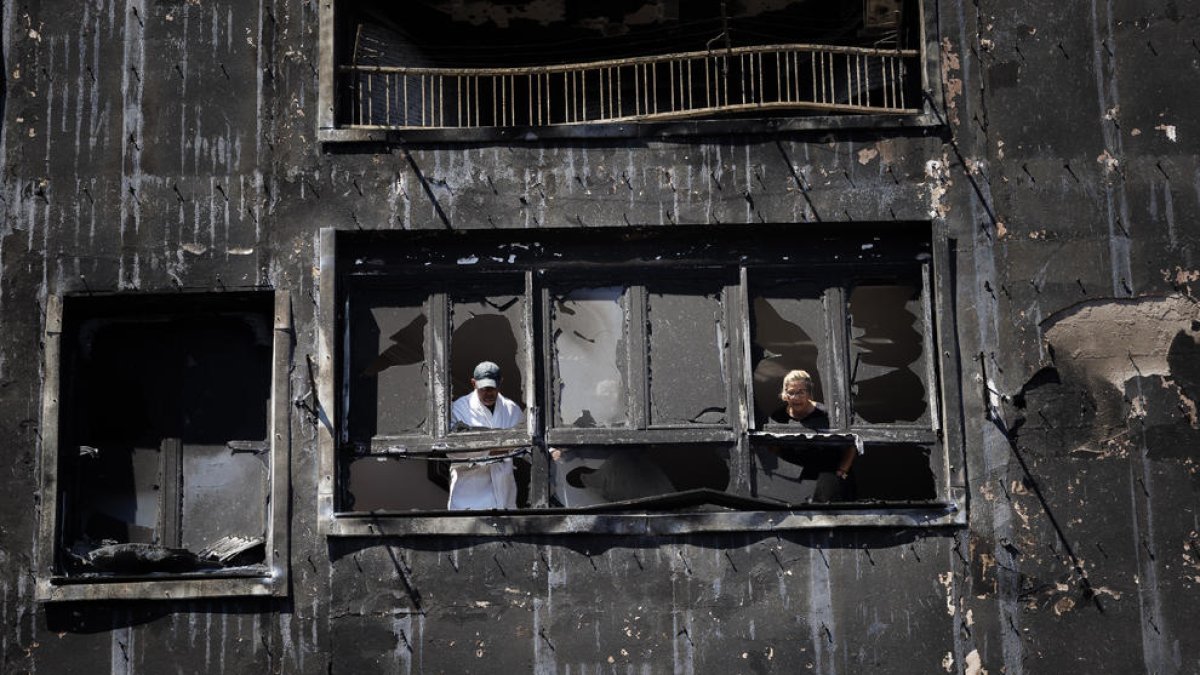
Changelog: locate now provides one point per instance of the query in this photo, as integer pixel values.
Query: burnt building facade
(252, 252)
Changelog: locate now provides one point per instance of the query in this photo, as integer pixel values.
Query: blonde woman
(830, 469)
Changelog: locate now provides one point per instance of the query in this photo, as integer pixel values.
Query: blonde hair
(796, 376)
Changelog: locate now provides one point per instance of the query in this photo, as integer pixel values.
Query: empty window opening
(805, 473)
(789, 334)
(489, 328)
(412, 483)
(901, 472)
(166, 463)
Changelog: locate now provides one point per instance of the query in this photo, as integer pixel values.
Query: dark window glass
(591, 476)
(688, 340)
(396, 484)
(388, 375)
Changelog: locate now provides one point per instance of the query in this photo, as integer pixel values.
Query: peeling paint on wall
(1116, 340)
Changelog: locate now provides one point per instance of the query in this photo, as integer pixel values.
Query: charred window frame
(721, 276)
(679, 76)
(164, 446)
(400, 364)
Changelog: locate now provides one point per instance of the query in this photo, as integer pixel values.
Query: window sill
(492, 524)
(676, 129)
(164, 587)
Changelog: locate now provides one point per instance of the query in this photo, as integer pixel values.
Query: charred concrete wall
(152, 146)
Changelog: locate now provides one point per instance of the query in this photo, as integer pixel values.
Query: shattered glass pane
(590, 476)
(588, 328)
(789, 332)
(388, 378)
(887, 359)
(394, 484)
(489, 328)
(688, 341)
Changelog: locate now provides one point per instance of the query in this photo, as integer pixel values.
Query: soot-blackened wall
(154, 146)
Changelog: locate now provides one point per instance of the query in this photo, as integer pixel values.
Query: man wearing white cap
(487, 484)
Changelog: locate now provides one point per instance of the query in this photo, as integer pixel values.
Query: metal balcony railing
(665, 87)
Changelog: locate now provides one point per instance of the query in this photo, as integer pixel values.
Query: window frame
(947, 509)
(329, 130)
(54, 586)
(640, 428)
(439, 305)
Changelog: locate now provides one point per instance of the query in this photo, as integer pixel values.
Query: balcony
(731, 82)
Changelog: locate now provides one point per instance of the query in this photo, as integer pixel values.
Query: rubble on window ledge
(112, 558)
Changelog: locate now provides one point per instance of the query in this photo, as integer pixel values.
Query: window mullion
(537, 302)
(343, 433)
(547, 359)
(931, 360)
(637, 358)
(439, 380)
(737, 363)
(837, 320)
(170, 494)
(743, 400)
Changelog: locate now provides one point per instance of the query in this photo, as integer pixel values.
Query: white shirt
(488, 485)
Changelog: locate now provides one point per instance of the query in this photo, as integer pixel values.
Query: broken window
(887, 353)
(864, 342)
(789, 333)
(490, 327)
(388, 375)
(165, 455)
(409, 352)
(538, 63)
(588, 329)
(648, 373)
(686, 350)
